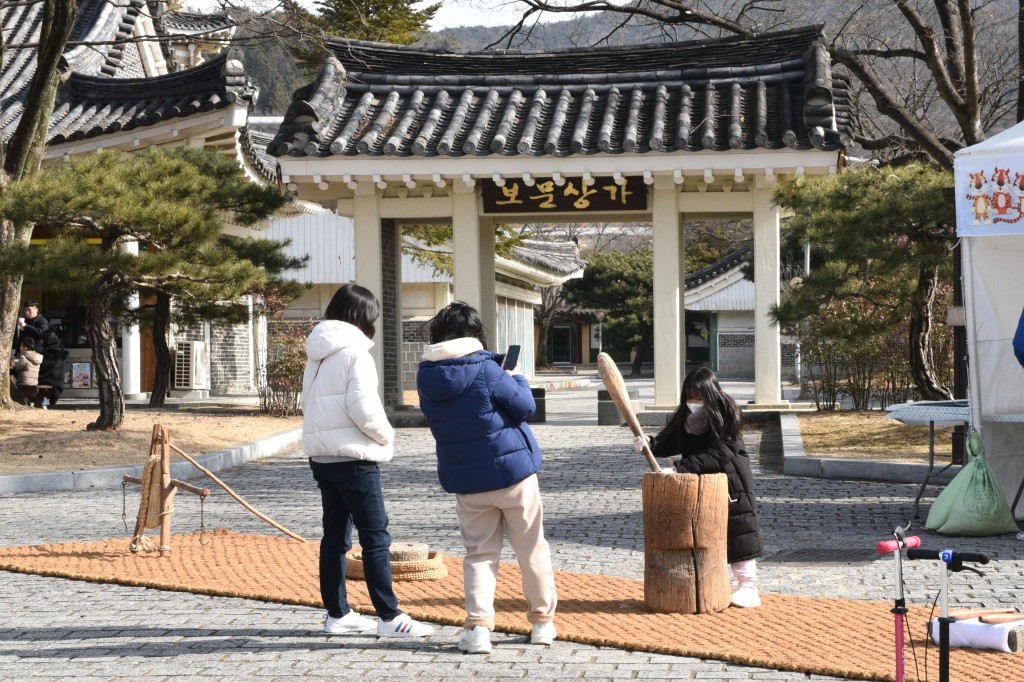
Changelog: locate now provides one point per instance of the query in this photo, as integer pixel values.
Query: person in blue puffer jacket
(488, 457)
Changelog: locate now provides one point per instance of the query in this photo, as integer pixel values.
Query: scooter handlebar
(887, 546)
(947, 555)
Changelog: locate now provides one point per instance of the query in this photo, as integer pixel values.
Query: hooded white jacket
(343, 417)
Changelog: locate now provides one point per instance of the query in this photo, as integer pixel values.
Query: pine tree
(883, 239)
(383, 21)
(622, 284)
(170, 202)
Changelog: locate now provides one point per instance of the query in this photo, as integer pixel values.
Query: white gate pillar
(131, 345)
(767, 268)
(669, 350)
(473, 255)
(370, 260)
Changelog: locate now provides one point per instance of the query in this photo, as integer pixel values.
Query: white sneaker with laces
(403, 626)
(543, 633)
(476, 641)
(746, 597)
(350, 623)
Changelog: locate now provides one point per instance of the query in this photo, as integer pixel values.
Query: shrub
(280, 367)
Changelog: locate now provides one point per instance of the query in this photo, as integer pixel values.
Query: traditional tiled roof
(769, 91)
(96, 21)
(254, 145)
(191, 22)
(88, 106)
(717, 269)
(97, 43)
(560, 258)
(95, 97)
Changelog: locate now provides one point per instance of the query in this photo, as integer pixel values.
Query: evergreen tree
(383, 21)
(22, 154)
(188, 302)
(170, 202)
(882, 238)
(622, 284)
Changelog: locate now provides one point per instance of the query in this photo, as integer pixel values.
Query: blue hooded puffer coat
(477, 414)
(1018, 340)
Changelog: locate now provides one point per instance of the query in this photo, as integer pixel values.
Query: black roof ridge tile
(722, 265)
(783, 96)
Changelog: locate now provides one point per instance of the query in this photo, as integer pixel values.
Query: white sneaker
(350, 623)
(543, 633)
(746, 597)
(476, 641)
(403, 626)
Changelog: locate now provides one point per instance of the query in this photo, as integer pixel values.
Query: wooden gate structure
(671, 132)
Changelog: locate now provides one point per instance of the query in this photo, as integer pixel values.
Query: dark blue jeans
(351, 495)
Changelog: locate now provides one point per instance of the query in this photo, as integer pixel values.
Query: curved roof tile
(770, 91)
(718, 268)
(88, 106)
(96, 98)
(192, 22)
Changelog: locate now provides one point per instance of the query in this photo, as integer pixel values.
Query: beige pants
(482, 516)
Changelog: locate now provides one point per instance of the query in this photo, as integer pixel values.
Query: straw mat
(839, 637)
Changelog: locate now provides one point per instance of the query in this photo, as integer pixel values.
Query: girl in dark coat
(707, 430)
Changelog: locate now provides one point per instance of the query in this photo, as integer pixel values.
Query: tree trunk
(24, 153)
(542, 341)
(641, 352)
(10, 302)
(105, 373)
(921, 361)
(161, 320)
(1020, 60)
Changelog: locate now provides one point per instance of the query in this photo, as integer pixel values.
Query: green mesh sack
(973, 503)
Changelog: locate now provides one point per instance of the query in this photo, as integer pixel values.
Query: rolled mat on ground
(786, 633)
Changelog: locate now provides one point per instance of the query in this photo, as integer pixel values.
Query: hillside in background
(274, 70)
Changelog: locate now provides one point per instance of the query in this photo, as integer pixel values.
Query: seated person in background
(33, 326)
(51, 371)
(25, 371)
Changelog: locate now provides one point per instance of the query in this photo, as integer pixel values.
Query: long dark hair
(725, 421)
(356, 305)
(457, 320)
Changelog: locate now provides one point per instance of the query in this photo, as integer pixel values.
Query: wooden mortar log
(685, 522)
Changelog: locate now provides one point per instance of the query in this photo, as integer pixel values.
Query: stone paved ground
(58, 629)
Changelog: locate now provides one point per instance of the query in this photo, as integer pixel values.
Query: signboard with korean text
(573, 196)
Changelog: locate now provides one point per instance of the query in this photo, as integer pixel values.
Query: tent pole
(974, 371)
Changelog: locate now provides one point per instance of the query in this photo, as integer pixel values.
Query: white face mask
(695, 407)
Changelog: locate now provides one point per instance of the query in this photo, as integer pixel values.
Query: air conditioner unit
(190, 365)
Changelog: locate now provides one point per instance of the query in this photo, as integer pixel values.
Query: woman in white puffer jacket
(346, 434)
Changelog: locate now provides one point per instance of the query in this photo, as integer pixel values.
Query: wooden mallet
(616, 388)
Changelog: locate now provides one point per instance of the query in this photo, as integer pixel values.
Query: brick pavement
(58, 629)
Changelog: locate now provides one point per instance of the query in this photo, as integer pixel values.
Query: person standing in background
(33, 326)
(51, 371)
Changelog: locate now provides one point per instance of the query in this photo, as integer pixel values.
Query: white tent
(990, 222)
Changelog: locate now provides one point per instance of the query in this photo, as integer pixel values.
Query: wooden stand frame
(158, 489)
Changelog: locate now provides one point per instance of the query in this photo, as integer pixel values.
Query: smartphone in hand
(511, 357)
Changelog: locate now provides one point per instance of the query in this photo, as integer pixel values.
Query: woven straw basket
(431, 568)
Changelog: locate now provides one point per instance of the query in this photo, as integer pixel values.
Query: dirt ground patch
(870, 435)
(56, 440)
